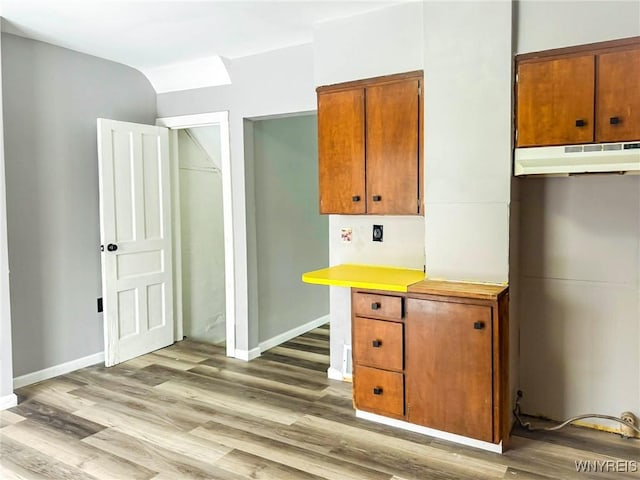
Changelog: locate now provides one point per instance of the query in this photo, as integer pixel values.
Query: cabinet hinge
(419, 90)
(516, 135)
(517, 78)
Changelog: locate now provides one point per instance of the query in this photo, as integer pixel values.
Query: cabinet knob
(580, 123)
(377, 391)
(614, 120)
(375, 306)
(376, 198)
(478, 325)
(376, 344)
(355, 198)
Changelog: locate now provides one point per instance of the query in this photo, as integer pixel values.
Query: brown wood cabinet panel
(393, 125)
(378, 343)
(373, 305)
(449, 377)
(379, 391)
(555, 101)
(618, 96)
(341, 155)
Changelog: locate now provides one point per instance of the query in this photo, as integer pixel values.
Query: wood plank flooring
(189, 412)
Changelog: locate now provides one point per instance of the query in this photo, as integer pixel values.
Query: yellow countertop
(371, 277)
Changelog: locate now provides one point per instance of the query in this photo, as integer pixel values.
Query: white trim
(293, 333)
(174, 165)
(56, 370)
(196, 120)
(8, 401)
(247, 355)
(221, 119)
(451, 437)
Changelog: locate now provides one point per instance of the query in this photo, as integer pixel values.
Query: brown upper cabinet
(370, 146)
(574, 95)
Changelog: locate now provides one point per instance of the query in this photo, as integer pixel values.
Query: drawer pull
(375, 306)
(376, 344)
(377, 198)
(580, 123)
(377, 391)
(478, 325)
(614, 120)
(355, 198)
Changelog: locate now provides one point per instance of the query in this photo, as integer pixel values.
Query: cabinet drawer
(379, 391)
(377, 343)
(377, 306)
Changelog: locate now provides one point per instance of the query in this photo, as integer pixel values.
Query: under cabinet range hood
(621, 157)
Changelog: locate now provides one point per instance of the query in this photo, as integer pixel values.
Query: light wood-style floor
(188, 412)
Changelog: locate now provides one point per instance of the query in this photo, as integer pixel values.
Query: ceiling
(153, 35)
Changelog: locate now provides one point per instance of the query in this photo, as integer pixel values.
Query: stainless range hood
(622, 157)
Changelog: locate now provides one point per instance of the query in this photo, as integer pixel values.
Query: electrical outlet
(631, 419)
(377, 233)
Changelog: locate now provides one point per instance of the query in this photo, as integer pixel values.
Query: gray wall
(6, 368)
(292, 237)
(579, 253)
(52, 97)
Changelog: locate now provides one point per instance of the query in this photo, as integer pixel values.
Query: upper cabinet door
(341, 151)
(618, 96)
(555, 101)
(393, 123)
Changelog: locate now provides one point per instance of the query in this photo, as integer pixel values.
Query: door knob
(112, 247)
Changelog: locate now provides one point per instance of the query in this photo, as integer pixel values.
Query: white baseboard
(334, 374)
(451, 437)
(56, 370)
(247, 355)
(293, 333)
(8, 401)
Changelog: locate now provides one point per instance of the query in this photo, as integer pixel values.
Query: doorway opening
(201, 234)
(204, 307)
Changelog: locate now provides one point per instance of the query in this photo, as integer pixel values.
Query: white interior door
(135, 230)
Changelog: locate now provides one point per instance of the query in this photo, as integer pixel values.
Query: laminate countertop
(371, 277)
(394, 279)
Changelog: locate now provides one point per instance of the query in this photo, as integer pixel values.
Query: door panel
(554, 98)
(134, 227)
(392, 148)
(446, 353)
(618, 97)
(341, 152)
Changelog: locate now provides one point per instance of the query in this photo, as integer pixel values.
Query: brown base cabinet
(435, 356)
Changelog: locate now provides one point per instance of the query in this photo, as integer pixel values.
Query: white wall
(6, 365)
(382, 42)
(467, 65)
(273, 83)
(580, 253)
(52, 97)
(202, 234)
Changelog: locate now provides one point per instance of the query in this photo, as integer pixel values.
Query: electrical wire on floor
(527, 425)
